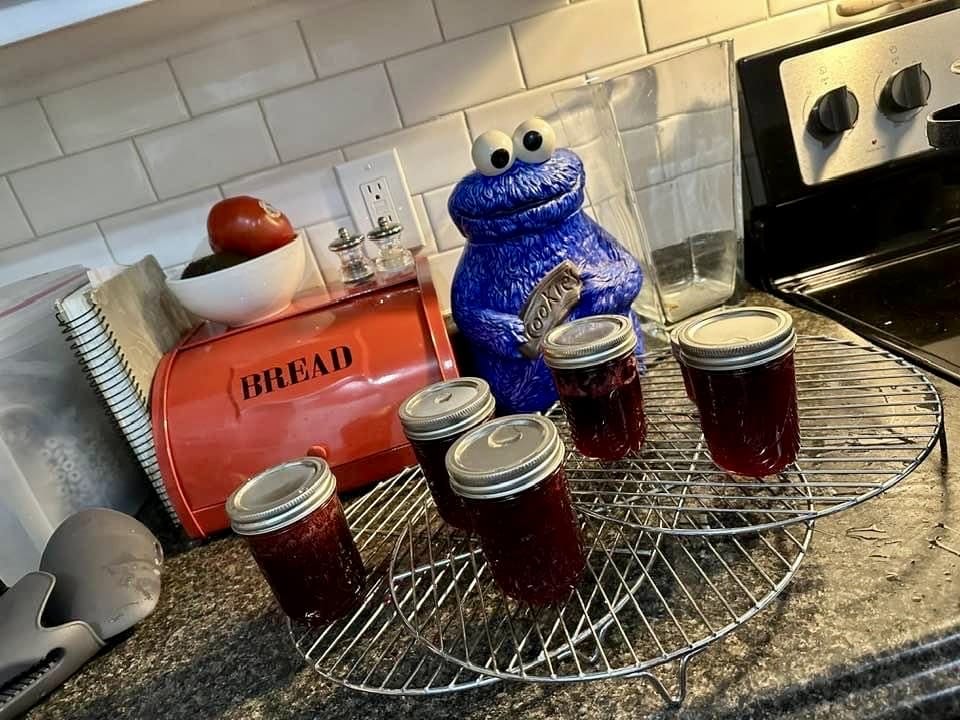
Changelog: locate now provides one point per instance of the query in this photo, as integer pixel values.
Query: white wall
(118, 134)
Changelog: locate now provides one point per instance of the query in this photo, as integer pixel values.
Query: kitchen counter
(868, 628)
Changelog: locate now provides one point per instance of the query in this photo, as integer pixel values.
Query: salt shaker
(355, 266)
(392, 256)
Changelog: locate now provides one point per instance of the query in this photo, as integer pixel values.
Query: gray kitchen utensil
(100, 575)
(107, 566)
(34, 659)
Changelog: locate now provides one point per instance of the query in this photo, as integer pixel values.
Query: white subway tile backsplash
(429, 240)
(360, 33)
(25, 136)
(642, 155)
(83, 187)
(455, 75)
(312, 277)
(505, 114)
(463, 17)
(207, 150)
(447, 235)
(577, 38)
(171, 231)
(782, 6)
(706, 200)
(442, 267)
(305, 190)
(780, 30)
(432, 154)
(77, 246)
(115, 107)
(243, 68)
(628, 66)
(330, 113)
(13, 225)
(695, 140)
(668, 22)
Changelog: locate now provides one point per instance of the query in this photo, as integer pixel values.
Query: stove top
(910, 303)
(849, 211)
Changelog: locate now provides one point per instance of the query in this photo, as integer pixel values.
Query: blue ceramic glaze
(519, 226)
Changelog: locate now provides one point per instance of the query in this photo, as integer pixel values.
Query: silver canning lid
(738, 338)
(280, 496)
(446, 408)
(588, 341)
(504, 456)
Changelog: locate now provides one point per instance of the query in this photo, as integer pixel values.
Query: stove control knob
(835, 112)
(906, 90)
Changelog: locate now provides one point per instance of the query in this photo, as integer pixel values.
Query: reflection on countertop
(870, 627)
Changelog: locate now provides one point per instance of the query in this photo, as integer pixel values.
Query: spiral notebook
(120, 329)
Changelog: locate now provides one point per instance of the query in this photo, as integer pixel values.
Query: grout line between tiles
(643, 28)
(103, 237)
(516, 55)
(306, 47)
(146, 170)
(396, 102)
(436, 14)
(273, 140)
(179, 87)
(53, 132)
(23, 211)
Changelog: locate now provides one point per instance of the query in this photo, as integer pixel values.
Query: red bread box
(325, 376)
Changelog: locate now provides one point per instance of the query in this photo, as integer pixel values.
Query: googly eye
(492, 153)
(534, 141)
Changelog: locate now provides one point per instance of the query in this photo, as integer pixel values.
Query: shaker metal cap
(446, 408)
(737, 338)
(280, 496)
(504, 457)
(345, 240)
(588, 341)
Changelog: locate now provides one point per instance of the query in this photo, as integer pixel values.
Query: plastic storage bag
(59, 452)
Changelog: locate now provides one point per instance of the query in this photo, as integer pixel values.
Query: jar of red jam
(432, 419)
(595, 371)
(294, 524)
(684, 372)
(740, 364)
(509, 473)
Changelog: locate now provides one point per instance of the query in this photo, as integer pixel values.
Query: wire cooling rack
(867, 419)
(372, 650)
(691, 592)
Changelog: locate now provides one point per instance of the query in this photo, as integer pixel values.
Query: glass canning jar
(595, 370)
(294, 524)
(510, 475)
(741, 369)
(433, 419)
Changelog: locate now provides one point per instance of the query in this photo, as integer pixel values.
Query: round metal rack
(682, 593)
(867, 419)
(371, 650)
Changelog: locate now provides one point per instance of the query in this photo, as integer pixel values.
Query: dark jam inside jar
(532, 541)
(430, 454)
(312, 566)
(749, 417)
(604, 407)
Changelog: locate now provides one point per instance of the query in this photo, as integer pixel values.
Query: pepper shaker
(355, 266)
(392, 256)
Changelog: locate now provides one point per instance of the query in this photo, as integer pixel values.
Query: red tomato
(247, 226)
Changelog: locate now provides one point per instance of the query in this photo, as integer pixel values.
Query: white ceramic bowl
(245, 293)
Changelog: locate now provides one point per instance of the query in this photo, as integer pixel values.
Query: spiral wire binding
(108, 372)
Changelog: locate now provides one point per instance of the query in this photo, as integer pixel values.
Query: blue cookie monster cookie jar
(533, 259)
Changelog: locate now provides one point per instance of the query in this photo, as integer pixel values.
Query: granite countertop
(868, 628)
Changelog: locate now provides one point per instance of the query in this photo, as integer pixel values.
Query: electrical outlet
(376, 196)
(374, 187)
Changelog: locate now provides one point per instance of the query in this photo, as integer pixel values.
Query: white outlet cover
(353, 173)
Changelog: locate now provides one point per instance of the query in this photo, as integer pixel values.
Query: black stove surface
(910, 303)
